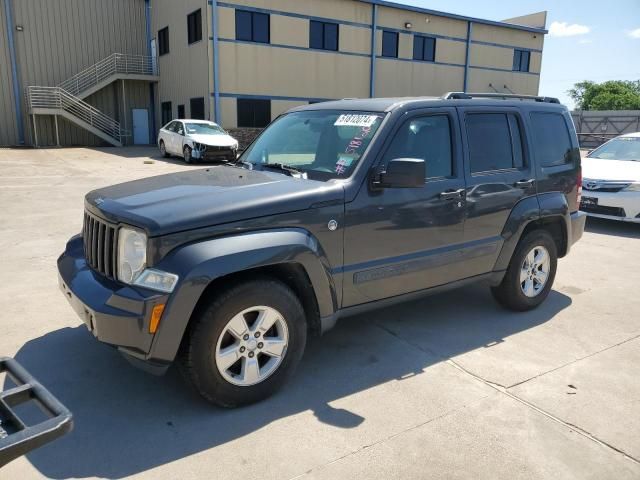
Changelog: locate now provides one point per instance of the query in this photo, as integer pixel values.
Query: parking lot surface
(451, 386)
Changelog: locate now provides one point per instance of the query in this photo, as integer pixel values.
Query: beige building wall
(186, 70)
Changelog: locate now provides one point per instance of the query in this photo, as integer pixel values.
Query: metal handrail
(59, 98)
(105, 68)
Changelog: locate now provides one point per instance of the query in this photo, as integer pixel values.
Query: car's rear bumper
(578, 220)
(623, 206)
(115, 314)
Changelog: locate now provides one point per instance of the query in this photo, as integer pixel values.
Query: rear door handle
(525, 183)
(452, 194)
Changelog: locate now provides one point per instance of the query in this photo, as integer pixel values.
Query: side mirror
(402, 173)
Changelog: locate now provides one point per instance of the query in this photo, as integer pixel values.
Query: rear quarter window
(551, 138)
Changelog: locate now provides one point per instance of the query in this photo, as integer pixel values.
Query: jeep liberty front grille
(99, 245)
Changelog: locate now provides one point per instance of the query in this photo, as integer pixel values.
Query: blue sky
(607, 49)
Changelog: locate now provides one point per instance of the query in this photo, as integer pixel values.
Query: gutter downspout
(216, 62)
(467, 56)
(152, 100)
(14, 70)
(374, 30)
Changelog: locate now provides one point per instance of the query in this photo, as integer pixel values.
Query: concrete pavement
(450, 386)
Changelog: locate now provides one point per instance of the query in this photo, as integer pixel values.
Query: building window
(252, 26)
(521, 60)
(181, 111)
(167, 114)
(323, 36)
(197, 108)
(194, 27)
(424, 48)
(163, 41)
(254, 113)
(390, 44)
(495, 142)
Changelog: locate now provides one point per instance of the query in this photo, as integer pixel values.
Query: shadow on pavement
(127, 421)
(612, 227)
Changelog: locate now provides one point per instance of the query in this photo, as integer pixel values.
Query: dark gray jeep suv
(336, 208)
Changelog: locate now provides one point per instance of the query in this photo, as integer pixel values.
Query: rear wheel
(530, 274)
(163, 149)
(245, 344)
(187, 154)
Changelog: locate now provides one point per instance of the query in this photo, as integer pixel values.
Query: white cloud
(634, 33)
(564, 29)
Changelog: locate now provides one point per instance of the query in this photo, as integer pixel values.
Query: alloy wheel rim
(162, 148)
(187, 155)
(534, 271)
(252, 346)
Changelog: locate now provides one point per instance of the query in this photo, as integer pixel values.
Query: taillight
(579, 186)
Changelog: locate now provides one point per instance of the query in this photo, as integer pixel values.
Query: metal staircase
(66, 100)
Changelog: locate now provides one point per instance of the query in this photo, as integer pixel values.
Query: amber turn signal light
(156, 314)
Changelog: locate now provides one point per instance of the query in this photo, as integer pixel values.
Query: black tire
(163, 149)
(509, 293)
(186, 152)
(197, 358)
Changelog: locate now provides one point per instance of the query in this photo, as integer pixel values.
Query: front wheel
(187, 154)
(246, 343)
(530, 274)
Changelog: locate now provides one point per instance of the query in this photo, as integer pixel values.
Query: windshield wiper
(283, 168)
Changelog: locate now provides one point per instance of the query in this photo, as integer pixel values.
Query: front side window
(495, 142)
(552, 140)
(163, 41)
(390, 44)
(194, 27)
(424, 48)
(323, 35)
(428, 138)
(521, 60)
(623, 148)
(324, 144)
(252, 26)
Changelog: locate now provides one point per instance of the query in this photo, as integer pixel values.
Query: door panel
(400, 240)
(498, 171)
(140, 126)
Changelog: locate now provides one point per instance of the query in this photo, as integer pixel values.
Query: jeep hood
(200, 198)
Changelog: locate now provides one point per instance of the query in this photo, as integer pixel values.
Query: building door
(140, 126)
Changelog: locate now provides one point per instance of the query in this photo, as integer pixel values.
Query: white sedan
(196, 140)
(611, 180)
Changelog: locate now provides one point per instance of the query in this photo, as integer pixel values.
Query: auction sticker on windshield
(355, 120)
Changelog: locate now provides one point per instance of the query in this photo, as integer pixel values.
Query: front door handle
(525, 183)
(452, 194)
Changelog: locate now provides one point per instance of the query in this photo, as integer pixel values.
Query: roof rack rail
(503, 96)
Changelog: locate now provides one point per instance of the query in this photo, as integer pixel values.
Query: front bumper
(623, 206)
(210, 153)
(114, 313)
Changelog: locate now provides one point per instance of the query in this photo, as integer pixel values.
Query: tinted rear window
(495, 141)
(551, 139)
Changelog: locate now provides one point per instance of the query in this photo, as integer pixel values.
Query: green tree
(611, 95)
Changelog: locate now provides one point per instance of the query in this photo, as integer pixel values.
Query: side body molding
(198, 264)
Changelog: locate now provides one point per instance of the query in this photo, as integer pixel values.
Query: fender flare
(546, 206)
(198, 264)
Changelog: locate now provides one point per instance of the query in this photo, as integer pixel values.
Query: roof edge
(411, 8)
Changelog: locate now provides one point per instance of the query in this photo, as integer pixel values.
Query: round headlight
(132, 254)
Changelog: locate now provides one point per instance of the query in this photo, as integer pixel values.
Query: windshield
(625, 148)
(204, 129)
(324, 144)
